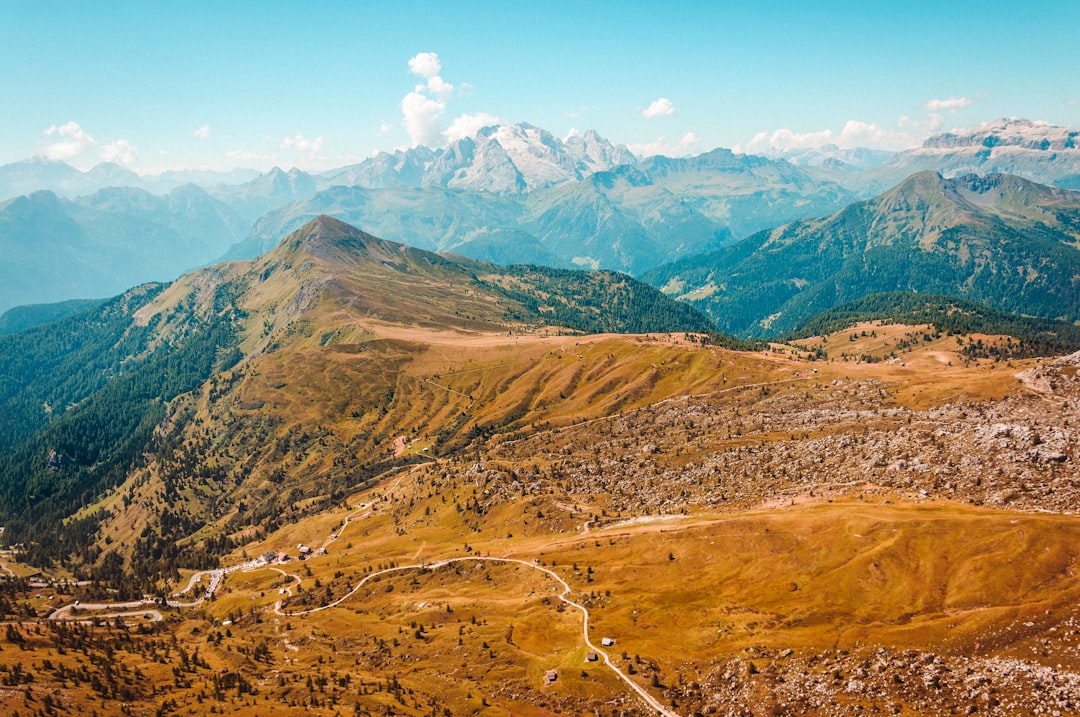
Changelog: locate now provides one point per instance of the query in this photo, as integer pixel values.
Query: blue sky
(322, 84)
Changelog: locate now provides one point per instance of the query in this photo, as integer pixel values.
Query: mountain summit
(505, 159)
(997, 240)
(331, 306)
(1038, 151)
(1009, 132)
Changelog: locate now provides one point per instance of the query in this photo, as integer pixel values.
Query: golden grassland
(680, 593)
(675, 594)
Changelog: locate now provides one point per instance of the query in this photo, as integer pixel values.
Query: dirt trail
(563, 596)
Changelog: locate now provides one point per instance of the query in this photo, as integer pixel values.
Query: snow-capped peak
(523, 157)
(1009, 132)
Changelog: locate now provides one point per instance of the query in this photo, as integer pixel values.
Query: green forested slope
(999, 240)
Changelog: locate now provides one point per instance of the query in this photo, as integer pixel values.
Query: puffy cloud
(71, 141)
(312, 147)
(121, 151)
(203, 132)
(689, 139)
(423, 108)
(854, 134)
(661, 107)
(1071, 103)
(952, 104)
(468, 125)
(438, 87)
(661, 145)
(421, 114)
(385, 127)
(425, 64)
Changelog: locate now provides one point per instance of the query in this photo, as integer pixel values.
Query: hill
(952, 316)
(998, 240)
(739, 529)
(100, 394)
(27, 316)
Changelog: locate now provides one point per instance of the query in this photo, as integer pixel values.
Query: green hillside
(998, 240)
(20, 318)
(89, 399)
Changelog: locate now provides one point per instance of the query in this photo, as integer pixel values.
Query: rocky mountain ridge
(629, 218)
(1039, 151)
(505, 159)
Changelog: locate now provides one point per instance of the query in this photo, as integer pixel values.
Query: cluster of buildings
(303, 553)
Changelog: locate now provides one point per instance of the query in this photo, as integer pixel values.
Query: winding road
(138, 608)
(566, 591)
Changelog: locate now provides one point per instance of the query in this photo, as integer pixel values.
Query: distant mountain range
(505, 159)
(998, 240)
(509, 194)
(98, 245)
(1041, 152)
(40, 174)
(630, 218)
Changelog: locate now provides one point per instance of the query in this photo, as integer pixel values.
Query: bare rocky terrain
(813, 438)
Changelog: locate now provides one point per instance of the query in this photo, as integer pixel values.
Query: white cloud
(952, 104)
(203, 132)
(423, 108)
(72, 141)
(121, 151)
(855, 133)
(421, 115)
(438, 87)
(468, 125)
(312, 147)
(661, 145)
(689, 139)
(425, 64)
(385, 127)
(574, 114)
(1071, 103)
(661, 107)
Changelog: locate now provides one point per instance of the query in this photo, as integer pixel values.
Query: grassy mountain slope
(756, 532)
(998, 240)
(334, 325)
(1036, 337)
